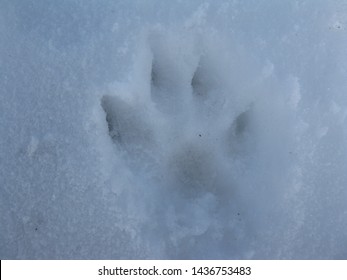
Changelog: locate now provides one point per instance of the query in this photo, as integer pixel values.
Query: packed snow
(150, 129)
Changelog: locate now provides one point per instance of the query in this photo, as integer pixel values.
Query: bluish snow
(173, 129)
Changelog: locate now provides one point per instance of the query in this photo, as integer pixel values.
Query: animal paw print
(180, 131)
(186, 127)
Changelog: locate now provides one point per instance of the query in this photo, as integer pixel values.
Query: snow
(173, 129)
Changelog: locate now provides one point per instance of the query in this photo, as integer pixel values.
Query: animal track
(177, 86)
(179, 135)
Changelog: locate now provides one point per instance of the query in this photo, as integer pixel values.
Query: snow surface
(173, 129)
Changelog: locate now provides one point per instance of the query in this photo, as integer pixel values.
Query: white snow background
(143, 129)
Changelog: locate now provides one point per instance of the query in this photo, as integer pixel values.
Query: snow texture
(150, 129)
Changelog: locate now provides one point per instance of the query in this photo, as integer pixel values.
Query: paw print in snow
(181, 128)
(191, 121)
